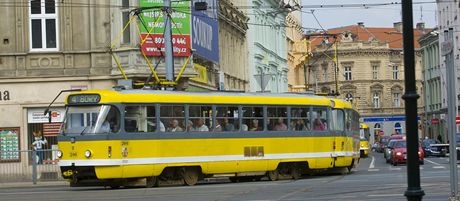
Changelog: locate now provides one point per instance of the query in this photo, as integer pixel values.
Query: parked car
(432, 147)
(457, 139)
(399, 153)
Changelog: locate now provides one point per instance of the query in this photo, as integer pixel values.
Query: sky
(372, 16)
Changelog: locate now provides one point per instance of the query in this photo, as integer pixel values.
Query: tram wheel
(234, 179)
(295, 172)
(190, 176)
(152, 182)
(273, 175)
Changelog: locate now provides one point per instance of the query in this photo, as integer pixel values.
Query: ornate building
(370, 72)
(233, 45)
(297, 49)
(267, 46)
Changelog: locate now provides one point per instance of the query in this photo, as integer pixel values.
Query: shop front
(26, 135)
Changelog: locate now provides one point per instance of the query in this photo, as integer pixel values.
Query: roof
(384, 35)
(154, 96)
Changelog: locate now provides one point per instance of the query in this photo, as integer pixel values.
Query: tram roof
(157, 96)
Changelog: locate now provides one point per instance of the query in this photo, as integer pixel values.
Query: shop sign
(202, 76)
(153, 20)
(36, 115)
(4, 95)
(205, 31)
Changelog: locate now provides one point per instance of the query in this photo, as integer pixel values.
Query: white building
(448, 13)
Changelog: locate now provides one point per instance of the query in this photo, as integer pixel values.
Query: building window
(125, 17)
(43, 25)
(376, 100)
(396, 100)
(375, 72)
(395, 72)
(325, 74)
(347, 72)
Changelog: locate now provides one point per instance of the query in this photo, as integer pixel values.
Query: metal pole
(451, 108)
(169, 58)
(34, 167)
(414, 191)
(336, 67)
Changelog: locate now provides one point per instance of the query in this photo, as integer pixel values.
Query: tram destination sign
(84, 99)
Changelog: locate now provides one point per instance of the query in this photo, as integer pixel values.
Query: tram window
(277, 118)
(173, 118)
(226, 119)
(140, 119)
(299, 119)
(200, 117)
(319, 116)
(253, 119)
(338, 119)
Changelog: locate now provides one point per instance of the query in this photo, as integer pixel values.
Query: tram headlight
(87, 153)
(59, 154)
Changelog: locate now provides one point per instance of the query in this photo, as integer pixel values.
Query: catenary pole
(414, 192)
(446, 49)
(169, 58)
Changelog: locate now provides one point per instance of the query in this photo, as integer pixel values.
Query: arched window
(398, 128)
(377, 129)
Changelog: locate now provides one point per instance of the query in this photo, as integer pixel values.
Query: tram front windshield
(81, 120)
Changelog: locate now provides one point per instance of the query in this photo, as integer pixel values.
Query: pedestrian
(38, 145)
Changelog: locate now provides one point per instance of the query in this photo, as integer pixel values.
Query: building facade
(370, 72)
(448, 13)
(233, 29)
(297, 48)
(267, 46)
(50, 46)
(435, 116)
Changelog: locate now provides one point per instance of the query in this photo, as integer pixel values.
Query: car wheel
(395, 163)
(422, 162)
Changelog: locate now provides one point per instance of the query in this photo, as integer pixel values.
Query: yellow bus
(113, 137)
(364, 136)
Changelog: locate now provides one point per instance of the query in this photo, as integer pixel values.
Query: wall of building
(361, 56)
(448, 13)
(267, 46)
(434, 115)
(233, 46)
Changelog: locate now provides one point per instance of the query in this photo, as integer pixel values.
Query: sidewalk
(31, 185)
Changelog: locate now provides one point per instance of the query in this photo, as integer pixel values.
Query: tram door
(341, 141)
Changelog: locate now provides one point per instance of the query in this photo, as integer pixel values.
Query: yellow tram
(364, 136)
(113, 137)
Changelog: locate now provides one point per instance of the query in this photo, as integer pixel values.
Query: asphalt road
(373, 179)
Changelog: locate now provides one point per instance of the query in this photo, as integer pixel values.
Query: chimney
(421, 26)
(398, 26)
(361, 24)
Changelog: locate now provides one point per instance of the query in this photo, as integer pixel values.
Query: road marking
(391, 168)
(432, 162)
(439, 167)
(372, 163)
(385, 195)
(373, 170)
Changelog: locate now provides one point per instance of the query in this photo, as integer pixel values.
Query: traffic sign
(457, 120)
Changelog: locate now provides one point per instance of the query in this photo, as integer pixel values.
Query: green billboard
(152, 11)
